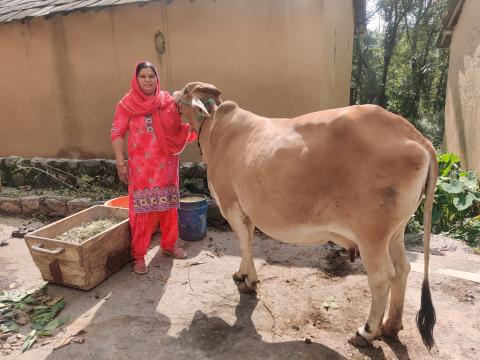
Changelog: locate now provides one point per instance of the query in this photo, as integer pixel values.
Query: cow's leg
(244, 228)
(398, 254)
(380, 270)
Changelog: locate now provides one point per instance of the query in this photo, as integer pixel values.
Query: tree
(397, 65)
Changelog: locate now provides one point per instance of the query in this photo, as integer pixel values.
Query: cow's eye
(185, 92)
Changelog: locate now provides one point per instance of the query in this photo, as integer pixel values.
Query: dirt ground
(199, 314)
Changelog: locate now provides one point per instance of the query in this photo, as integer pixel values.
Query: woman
(157, 136)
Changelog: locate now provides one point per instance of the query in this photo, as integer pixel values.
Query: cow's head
(194, 100)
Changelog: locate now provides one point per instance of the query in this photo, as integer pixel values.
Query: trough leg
(243, 228)
(398, 254)
(380, 270)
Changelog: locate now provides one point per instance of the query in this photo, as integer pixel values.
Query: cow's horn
(199, 107)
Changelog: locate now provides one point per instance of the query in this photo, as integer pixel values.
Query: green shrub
(456, 203)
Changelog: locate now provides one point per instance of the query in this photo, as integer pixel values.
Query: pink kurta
(153, 177)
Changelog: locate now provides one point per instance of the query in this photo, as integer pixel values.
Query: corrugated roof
(26, 9)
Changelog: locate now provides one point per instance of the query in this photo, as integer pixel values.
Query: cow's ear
(197, 104)
(207, 89)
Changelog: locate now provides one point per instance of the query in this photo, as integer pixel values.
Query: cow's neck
(205, 134)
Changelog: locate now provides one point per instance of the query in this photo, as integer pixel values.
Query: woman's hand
(123, 173)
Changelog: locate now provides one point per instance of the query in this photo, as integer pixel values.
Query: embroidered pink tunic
(153, 180)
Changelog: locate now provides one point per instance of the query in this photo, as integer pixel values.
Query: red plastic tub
(123, 203)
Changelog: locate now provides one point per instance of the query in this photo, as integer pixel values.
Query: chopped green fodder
(87, 230)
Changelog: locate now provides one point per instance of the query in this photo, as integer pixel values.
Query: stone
(38, 163)
(56, 206)
(11, 161)
(2, 177)
(2, 162)
(185, 169)
(77, 205)
(66, 165)
(10, 205)
(24, 162)
(50, 162)
(91, 167)
(110, 167)
(31, 205)
(214, 215)
(18, 179)
(202, 169)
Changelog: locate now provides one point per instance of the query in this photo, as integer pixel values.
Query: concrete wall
(462, 109)
(61, 78)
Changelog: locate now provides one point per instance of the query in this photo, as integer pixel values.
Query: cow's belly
(314, 235)
(311, 235)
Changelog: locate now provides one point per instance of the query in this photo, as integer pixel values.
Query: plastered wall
(61, 78)
(462, 108)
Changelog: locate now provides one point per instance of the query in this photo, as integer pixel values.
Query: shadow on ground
(205, 337)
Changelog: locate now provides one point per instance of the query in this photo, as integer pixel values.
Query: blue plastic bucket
(192, 217)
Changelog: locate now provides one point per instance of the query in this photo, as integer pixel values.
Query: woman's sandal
(175, 252)
(139, 266)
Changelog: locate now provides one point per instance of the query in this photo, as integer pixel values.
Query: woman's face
(147, 80)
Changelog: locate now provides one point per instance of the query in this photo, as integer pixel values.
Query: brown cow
(353, 176)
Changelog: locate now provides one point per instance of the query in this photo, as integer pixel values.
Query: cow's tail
(426, 315)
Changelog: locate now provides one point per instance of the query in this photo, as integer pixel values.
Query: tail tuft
(426, 317)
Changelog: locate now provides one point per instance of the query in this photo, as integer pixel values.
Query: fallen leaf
(28, 342)
(46, 342)
(78, 339)
(63, 343)
(163, 276)
(22, 320)
(14, 327)
(213, 257)
(56, 323)
(45, 333)
(11, 286)
(54, 301)
(158, 278)
(79, 332)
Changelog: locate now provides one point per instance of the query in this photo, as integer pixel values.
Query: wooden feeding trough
(87, 264)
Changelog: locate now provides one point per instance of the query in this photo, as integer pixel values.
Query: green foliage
(398, 66)
(413, 227)
(456, 202)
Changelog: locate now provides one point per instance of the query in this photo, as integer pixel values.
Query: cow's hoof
(359, 341)
(243, 287)
(391, 331)
(239, 278)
